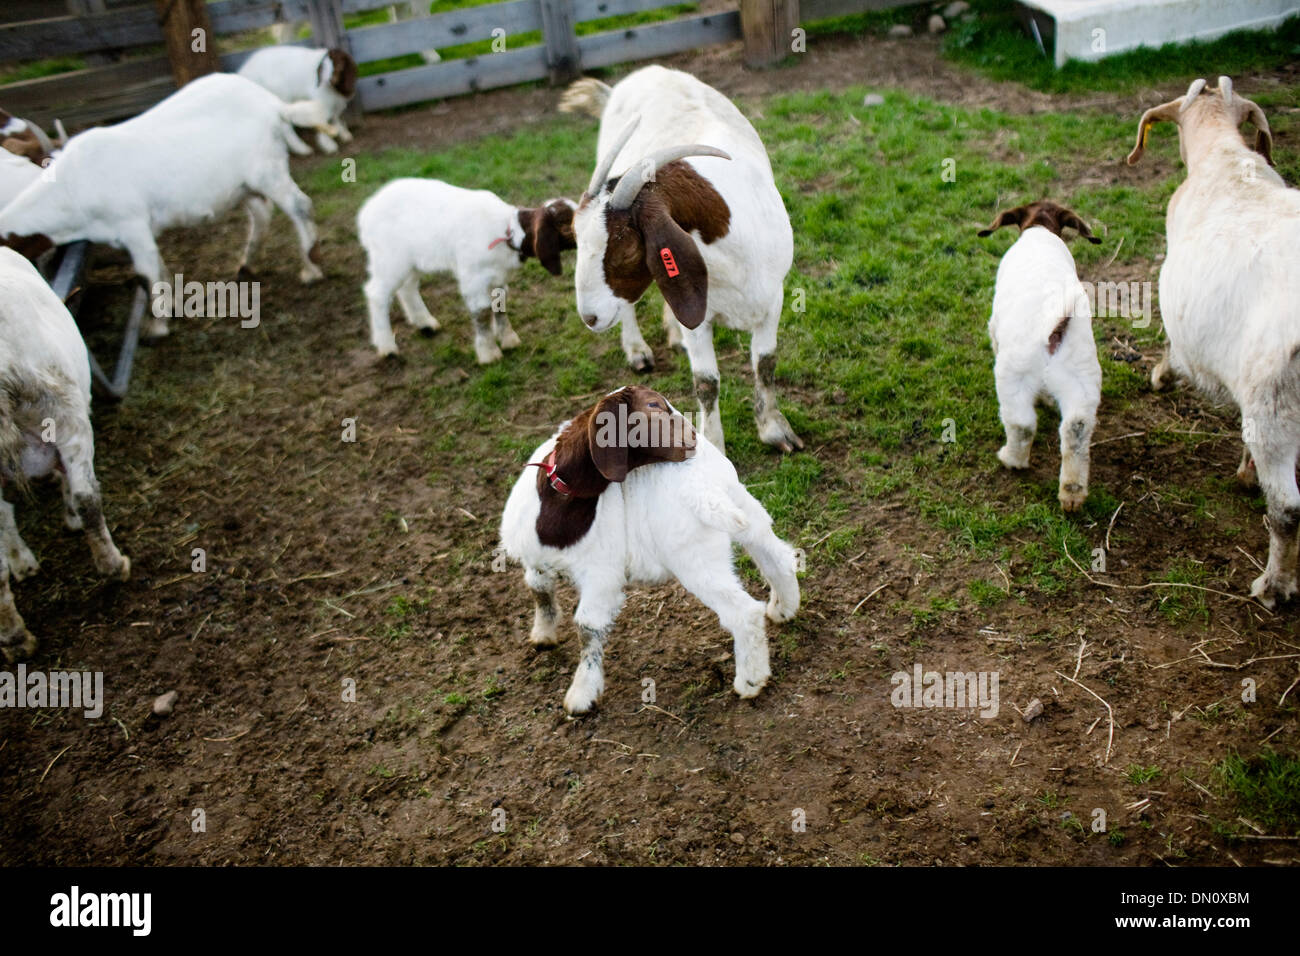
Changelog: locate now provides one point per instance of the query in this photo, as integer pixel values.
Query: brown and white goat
(712, 232)
(628, 492)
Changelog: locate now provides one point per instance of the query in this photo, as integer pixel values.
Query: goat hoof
(1269, 591)
(749, 687)
(486, 356)
(1072, 497)
(776, 431)
(510, 340)
(123, 571)
(23, 647)
(390, 361)
(644, 364)
(310, 274)
(245, 274)
(23, 564)
(1011, 461)
(1246, 475)
(427, 331)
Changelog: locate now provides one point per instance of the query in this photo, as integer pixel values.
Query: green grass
(896, 288)
(1265, 789)
(997, 44)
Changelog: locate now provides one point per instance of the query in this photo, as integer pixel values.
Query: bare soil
(230, 441)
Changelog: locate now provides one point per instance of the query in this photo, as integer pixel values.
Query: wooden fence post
(562, 54)
(766, 26)
(191, 53)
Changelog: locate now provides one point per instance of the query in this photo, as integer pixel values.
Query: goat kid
(44, 428)
(413, 227)
(329, 77)
(1041, 332)
(627, 492)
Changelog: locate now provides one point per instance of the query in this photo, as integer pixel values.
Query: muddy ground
(231, 442)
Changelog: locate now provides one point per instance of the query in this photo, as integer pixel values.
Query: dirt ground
(308, 540)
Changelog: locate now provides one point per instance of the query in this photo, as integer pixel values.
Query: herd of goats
(682, 196)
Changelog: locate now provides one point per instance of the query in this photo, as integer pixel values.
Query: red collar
(547, 464)
(500, 239)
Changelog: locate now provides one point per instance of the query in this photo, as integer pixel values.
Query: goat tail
(585, 96)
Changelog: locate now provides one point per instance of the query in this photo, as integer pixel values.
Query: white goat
(1041, 331)
(17, 172)
(298, 73)
(628, 493)
(712, 233)
(216, 142)
(44, 429)
(1230, 297)
(413, 227)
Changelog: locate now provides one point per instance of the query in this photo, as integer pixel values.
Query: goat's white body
(415, 227)
(16, 174)
(1037, 287)
(44, 426)
(1230, 302)
(219, 141)
(300, 73)
(747, 267)
(663, 521)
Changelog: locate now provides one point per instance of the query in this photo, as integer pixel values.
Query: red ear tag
(670, 263)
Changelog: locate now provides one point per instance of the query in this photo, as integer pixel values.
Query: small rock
(738, 838)
(936, 24)
(900, 30)
(873, 99)
(955, 9)
(165, 704)
(839, 397)
(1034, 709)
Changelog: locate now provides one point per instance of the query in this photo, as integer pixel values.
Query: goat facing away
(44, 429)
(1041, 333)
(712, 232)
(413, 227)
(628, 492)
(217, 142)
(1230, 298)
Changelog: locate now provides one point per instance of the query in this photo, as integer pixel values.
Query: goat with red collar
(628, 492)
(413, 227)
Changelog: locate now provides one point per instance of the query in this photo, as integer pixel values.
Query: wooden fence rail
(119, 89)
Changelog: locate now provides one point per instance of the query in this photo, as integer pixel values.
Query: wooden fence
(121, 89)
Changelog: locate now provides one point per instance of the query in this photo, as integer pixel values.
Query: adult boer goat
(1230, 297)
(712, 233)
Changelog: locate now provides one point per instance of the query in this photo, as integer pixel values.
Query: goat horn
(643, 172)
(602, 168)
(1225, 89)
(1194, 91)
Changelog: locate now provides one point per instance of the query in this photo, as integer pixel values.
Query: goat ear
(676, 266)
(546, 243)
(1008, 217)
(1165, 112)
(1263, 135)
(1071, 220)
(608, 454)
(320, 68)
